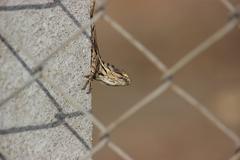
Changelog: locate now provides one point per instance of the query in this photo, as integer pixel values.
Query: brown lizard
(100, 70)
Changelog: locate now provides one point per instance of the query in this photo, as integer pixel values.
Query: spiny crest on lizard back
(110, 75)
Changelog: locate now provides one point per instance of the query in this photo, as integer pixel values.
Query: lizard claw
(89, 89)
(85, 85)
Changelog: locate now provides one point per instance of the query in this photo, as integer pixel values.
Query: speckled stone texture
(30, 127)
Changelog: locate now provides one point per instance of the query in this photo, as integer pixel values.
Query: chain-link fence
(166, 84)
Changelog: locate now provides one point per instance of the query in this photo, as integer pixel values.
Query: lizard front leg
(90, 78)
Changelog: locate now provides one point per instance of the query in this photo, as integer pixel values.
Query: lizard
(101, 71)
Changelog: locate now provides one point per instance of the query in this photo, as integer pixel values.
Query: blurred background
(169, 128)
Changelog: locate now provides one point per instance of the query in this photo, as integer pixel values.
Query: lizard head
(112, 76)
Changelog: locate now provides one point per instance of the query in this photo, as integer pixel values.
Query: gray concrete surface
(30, 127)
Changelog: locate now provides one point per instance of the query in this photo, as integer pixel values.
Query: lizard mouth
(128, 81)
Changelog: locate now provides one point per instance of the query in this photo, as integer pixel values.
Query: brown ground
(169, 128)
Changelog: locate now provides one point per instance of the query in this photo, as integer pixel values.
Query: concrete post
(39, 123)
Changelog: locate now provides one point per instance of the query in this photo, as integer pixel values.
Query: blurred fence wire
(166, 84)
